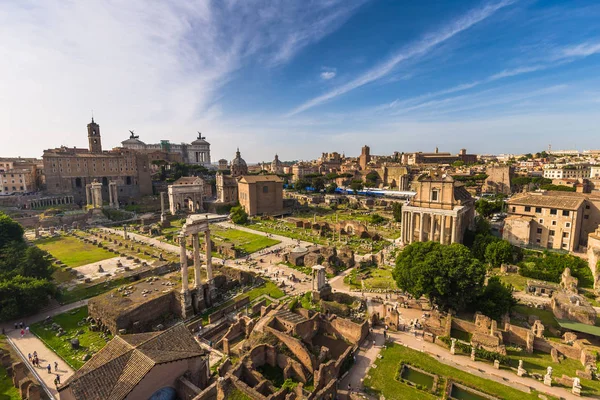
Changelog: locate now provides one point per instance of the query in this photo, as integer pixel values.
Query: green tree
(486, 208)
(330, 189)
(36, 263)
(458, 163)
(356, 186)
(397, 211)
(302, 184)
(10, 230)
(496, 299)
(238, 215)
(498, 253)
(377, 219)
(318, 184)
(448, 275)
(22, 295)
(371, 179)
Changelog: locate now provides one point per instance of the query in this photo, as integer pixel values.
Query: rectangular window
(527, 209)
(551, 233)
(539, 230)
(553, 222)
(565, 234)
(567, 225)
(553, 211)
(265, 189)
(586, 217)
(565, 213)
(541, 221)
(434, 195)
(538, 210)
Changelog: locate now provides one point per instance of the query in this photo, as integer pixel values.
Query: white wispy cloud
(581, 50)
(328, 73)
(155, 68)
(419, 48)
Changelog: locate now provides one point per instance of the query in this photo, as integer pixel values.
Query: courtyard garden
(90, 341)
(73, 252)
(383, 380)
(247, 242)
(371, 277)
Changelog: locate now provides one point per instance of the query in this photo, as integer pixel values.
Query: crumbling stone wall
(297, 347)
(353, 332)
(238, 304)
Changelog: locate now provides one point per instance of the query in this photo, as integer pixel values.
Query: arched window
(78, 182)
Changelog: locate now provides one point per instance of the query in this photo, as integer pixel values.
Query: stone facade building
(441, 210)
(549, 219)
(196, 153)
(21, 175)
(227, 188)
(261, 194)
(69, 170)
(498, 179)
(437, 158)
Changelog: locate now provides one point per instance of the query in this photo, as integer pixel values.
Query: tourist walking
(22, 333)
(56, 366)
(49, 368)
(58, 378)
(29, 356)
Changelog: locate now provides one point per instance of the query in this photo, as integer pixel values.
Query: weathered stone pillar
(411, 230)
(162, 207)
(209, 273)
(432, 227)
(113, 195)
(197, 264)
(443, 230)
(453, 230)
(184, 265)
(96, 192)
(422, 225)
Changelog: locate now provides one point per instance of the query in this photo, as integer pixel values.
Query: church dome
(238, 161)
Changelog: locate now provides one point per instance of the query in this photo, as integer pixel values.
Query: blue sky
(298, 77)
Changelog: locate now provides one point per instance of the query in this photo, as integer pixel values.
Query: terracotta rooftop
(558, 200)
(113, 372)
(260, 178)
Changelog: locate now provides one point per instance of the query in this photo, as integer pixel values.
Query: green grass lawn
(246, 241)
(375, 278)
(72, 251)
(545, 316)
(382, 380)
(91, 342)
(538, 363)
(519, 282)
(236, 394)
(7, 390)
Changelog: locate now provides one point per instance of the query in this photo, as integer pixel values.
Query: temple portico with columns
(442, 210)
(200, 296)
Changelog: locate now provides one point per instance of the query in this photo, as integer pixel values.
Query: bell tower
(94, 140)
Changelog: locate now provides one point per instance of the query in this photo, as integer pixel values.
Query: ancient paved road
(31, 343)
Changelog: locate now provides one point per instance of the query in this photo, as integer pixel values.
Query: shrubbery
(25, 273)
(550, 266)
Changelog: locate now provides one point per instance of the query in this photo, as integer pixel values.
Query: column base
(185, 303)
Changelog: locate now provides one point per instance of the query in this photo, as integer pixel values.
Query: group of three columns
(197, 264)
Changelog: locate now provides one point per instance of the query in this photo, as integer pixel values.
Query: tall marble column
(453, 229)
(209, 273)
(184, 265)
(197, 264)
(443, 230)
(432, 227)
